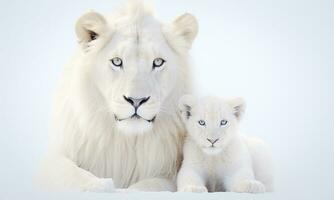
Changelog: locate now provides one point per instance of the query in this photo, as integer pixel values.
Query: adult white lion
(115, 119)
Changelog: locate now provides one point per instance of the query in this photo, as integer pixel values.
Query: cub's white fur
(98, 142)
(216, 157)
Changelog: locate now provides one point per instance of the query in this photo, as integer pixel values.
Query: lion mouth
(135, 116)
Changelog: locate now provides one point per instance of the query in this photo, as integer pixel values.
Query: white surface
(278, 55)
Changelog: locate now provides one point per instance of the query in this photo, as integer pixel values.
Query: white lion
(216, 157)
(115, 121)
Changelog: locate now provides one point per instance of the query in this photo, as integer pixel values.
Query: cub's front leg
(190, 180)
(243, 180)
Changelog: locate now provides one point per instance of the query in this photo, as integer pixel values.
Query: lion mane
(88, 151)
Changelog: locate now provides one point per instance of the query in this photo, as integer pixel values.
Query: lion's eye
(201, 122)
(158, 62)
(117, 62)
(223, 122)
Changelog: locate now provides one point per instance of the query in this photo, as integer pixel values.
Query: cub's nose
(212, 141)
(136, 102)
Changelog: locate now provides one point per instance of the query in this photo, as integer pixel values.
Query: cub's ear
(239, 106)
(90, 26)
(181, 32)
(186, 103)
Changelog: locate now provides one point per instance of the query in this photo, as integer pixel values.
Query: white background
(278, 55)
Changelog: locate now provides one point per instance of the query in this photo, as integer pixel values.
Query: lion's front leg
(154, 185)
(59, 173)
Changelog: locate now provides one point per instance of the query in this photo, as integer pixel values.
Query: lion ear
(186, 27)
(186, 103)
(182, 31)
(90, 26)
(239, 106)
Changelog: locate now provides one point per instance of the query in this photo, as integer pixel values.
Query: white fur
(89, 149)
(233, 163)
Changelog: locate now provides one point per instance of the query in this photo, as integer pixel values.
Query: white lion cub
(216, 157)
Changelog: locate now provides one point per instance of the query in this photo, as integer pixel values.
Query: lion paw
(250, 186)
(102, 185)
(193, 188)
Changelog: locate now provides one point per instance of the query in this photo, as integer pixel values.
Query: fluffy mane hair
(87, 146)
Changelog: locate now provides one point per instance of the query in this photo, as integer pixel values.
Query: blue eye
(201, 122)
(223, 122)
(158, 62)
(117, 62)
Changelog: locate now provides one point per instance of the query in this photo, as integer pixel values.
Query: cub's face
(210, 121)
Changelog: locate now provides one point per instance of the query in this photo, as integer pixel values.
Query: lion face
(135, 63)
(140, 69)
(211, 122)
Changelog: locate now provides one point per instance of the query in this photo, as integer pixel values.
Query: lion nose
(136, 102)
(212, 141)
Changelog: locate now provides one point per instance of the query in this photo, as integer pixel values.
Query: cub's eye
(223, 122)
(201, 122)
(158, 62)
(117, 62)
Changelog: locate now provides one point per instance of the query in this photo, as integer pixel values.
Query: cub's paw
(194, 188)
(250, 186)
(102, 185)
